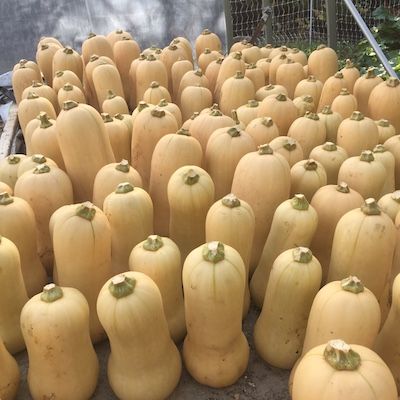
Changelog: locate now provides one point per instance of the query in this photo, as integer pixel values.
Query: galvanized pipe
(367, 33)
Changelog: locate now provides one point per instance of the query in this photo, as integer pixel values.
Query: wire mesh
(291, 19)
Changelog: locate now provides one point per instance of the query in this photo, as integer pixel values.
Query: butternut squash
(294, 224)
(345, 103)
(68, 59)
(225, 148)
(190, 195)
(10, 375)
(350, 74)
(332, 87)
(280, 329)
(332, 122)
(390, 204)
(46, 188)
(269, 90)
(172, 151)
(344, 199)
(364, 238)
(70, 92)
(144, 362)
(310, 86)
(18, 225)
(289, 148)
(227, 217)
(207, 39)
(331, 157)
(262, 130)
(365, 174)
(322, 63)
(194, 99)
(385, 130)
(13, 296)
(363, 88)
(160, 259)
(82, 252)
(382, 154)
(62, 360)
(344, 371)
(82, 165)
(9, 169)
(215, 350)
(262, 179)
(130, 213)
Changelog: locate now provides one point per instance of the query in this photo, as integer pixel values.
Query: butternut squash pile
(164, 191)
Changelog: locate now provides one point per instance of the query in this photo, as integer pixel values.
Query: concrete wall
(23, 22)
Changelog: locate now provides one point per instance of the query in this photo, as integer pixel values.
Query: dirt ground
(260, 381)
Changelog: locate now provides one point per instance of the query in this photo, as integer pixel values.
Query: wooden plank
(9, 132)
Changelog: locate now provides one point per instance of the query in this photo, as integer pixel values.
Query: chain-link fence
(303, 20)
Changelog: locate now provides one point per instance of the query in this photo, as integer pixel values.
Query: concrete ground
(260, 381)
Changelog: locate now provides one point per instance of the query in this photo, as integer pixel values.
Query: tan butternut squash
(108, 178)
(364, 238)
(304, 103)
(82, 252)
(178, 70)
(148, 128)
(227, 217)
(18, 225)
(294, 224)
(170, 153)
(119, 136)
(155, 93)
(225, 148)
(262, 130)
(364, 174)
(256, 75)
(392, 144)
(309, 131)
(142, 338)
(206, 123)
(357, 321)
(387, 342)
(289, 74)
(10, 375)
(332, 88)
(215, 350)
(22, 78)
(44, 59)
(30, 107)
(130, 213)
(262, 179)
(190, 195)
(331, 157)
(62, 360)
(269, 90)
(44, 140)
(363, 88)
(62, 77)
(332, 120)
(114, 104)
(382, 154)
(117, 36)
(350, 74)
(70, 92)
(46, 188)
(9, 169)
(384, 101)
(248, 112)
(289, 148)
(82, 165)
(345, 103)
(385, 130)
(96, 44)
(13, 296)
(168, 56)
(68, 59)
(280, 329)
(160, 259)
(207, 39)
(390, 204)
(344, 371)
(344, 199)
(322, 63)
(147, 71)
(310, 86)
(281, 109)
(31, 162)
(357, 133)
(194, 99)
(230, 65)
(43, 90)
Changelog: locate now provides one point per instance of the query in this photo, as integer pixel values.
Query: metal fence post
(331, 23)
(268, 27)
(229, 24)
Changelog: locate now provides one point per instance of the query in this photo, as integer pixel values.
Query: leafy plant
(387, 34)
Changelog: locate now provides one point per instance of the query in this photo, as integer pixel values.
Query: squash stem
(340, 356)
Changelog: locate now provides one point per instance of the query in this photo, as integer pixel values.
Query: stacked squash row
(238, 192)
